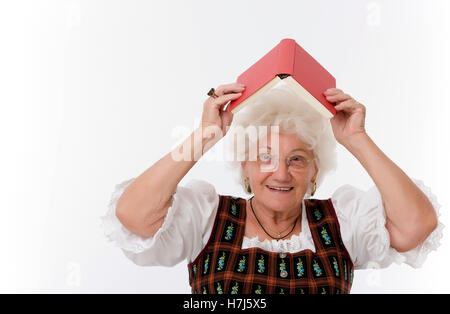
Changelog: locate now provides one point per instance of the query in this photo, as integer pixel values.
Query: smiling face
(262, 181)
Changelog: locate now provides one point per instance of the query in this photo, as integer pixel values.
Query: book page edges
(310, 99)
(256, 95)
(296, 87)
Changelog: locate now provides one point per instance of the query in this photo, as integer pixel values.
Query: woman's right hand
(213, 113)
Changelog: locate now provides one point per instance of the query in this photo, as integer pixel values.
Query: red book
(291, 63)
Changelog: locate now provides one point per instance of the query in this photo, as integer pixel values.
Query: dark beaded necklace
(275, 238)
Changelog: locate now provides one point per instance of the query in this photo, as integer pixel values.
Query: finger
(332, 91)
(227, 118)
(349, 105)
(223, 99)
(338, 97)
(229, 88)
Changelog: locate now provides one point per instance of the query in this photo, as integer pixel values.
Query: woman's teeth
(279, 188)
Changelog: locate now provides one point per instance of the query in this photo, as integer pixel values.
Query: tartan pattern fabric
(223, 267)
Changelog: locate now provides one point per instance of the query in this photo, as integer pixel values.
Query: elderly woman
(281, 239)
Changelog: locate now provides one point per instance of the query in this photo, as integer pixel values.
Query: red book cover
(289, 62)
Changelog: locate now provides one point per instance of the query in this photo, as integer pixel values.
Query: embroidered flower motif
(351, 276)
(261, 266)
(282, 265)
(204, 290)
(317, 269)
(219, 288)
(194, 269)
(234, 209)
(345, 271)
(336, 267)
(323, 291)
(229, 233)
(221, 261)
(300, 269)
(318, 214)
(205, 268)
(258, 291)
(325, 236)
(235, 288)
(281, 291)
(241, 266)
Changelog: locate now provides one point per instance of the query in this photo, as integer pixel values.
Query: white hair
(282, 107)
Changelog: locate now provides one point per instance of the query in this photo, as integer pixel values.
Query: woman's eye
(264, 157)
(298, 159)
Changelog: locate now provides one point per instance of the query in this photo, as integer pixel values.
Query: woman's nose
(281, 172)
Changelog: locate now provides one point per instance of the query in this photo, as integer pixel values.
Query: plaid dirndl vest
(223, 267)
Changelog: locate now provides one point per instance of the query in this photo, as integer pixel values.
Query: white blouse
(189, 221)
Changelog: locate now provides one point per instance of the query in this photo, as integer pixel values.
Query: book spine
(286, 56)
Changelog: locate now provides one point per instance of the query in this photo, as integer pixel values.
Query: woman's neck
(275, 220)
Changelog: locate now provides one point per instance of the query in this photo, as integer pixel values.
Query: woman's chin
(279, 197)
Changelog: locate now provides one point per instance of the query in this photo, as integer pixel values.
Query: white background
(92, 92)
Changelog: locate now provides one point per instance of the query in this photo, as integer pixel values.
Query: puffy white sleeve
(362, 221)
(186, 227)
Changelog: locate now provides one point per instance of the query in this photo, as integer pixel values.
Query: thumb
(227, 118)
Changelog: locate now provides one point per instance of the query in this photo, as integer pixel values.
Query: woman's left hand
(350, 115)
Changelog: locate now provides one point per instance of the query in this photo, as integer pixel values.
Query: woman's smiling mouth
(279, 189)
